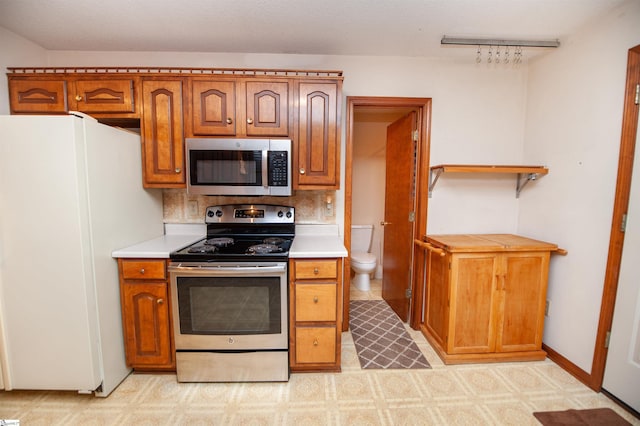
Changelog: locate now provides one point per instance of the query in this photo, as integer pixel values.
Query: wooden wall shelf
(524, 174)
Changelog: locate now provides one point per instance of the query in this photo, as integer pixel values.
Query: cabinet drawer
(315, 302)
(143, 270)
(316, 344)
(313, 269)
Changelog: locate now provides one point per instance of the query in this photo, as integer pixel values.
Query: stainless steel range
(229, 296)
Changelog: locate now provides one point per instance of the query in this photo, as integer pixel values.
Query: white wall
(367, 198)
(573, 125)
(16, 51)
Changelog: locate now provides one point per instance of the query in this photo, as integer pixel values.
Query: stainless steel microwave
(239, 166)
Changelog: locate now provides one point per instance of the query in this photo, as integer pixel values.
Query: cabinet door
(474, 303)
(524, 289)
(104, 96)
(316, 165)
(162, 134)
(437, 300)
(267, 108)
(213, 108)
(146, 324)
(38, 96)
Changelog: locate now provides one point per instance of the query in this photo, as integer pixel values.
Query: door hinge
(416, 133)
(638, 94)
(412, 216)
(407, 293)
(607, 338)
(623, 224)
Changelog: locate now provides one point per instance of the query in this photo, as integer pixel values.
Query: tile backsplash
(180, 207)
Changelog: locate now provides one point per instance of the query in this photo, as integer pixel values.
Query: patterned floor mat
(380, 337)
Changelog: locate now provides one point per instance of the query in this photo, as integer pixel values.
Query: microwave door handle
(265, 168)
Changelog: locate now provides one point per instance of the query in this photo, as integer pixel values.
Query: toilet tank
(361, 238)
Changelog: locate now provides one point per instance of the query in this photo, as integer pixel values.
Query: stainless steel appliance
(229, 296)
(239, 166)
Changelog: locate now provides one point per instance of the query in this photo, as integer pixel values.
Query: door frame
(423, 108)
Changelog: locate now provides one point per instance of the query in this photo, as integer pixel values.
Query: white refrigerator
(70, 193)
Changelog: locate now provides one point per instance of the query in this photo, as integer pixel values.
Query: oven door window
(226, 168)
(229, 305)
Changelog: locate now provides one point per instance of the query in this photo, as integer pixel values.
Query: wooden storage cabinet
(162, 133)
(315, 314)
(316, 163)
(240, 107)
(144, 294)
(102, 97)
(486, 297)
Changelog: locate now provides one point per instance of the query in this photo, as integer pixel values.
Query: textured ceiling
(341, 27)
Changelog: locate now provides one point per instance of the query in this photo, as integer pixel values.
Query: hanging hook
(478, 56)
(489, 55)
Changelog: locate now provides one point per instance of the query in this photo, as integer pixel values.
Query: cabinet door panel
(147, 324)
(213, 108)
(524, 300)
(437, 315)
(104, 96)
(473, 303)
(267, 110)
(316, 344)
(38, 96)
(162, 133)
(315, 302)
(318, 139)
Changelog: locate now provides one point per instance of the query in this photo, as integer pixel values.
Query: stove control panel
(250, 213)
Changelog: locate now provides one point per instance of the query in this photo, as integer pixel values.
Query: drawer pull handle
(160, 301)
(141, 271)
(316, 271)
(315, 342)
(229, 120)
(78, 98)
(315, 299)
(178, 169)
(302, 171)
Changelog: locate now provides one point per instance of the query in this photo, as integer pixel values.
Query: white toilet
(363, 263)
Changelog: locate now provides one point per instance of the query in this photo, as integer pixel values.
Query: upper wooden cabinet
(239, 107)
(162, 133)
(316, 165)
(102, 97)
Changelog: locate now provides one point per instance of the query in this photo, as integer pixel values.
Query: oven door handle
(230, 270)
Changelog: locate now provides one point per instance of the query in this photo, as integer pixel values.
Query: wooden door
(146, 324)
(523, 286)
(213, 108)
(162, 134)
(398, 206)
(474, 303)
(267, 108)
(316, 164)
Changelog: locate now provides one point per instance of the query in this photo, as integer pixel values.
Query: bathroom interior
(368, 196)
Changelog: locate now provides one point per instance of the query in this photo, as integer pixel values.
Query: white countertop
(317, 241)
(310, 241)
(176, 236)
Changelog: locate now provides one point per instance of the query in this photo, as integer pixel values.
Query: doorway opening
(368, 119)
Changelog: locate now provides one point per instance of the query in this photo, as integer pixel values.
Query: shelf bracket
(433, 178)
(522, 180)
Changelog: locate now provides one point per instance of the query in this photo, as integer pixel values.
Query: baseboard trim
(570, 367)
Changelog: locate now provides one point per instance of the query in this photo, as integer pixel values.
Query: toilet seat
(362, 258)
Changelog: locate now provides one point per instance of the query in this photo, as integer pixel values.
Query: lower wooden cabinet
(144, 294)
(315, 289)
(486, 297)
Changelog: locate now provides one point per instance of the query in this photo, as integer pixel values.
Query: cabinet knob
(229, 120)
(178, 169)
(160, 301)
(315, 299)
(302, 171)
(78, 98)
(141, 271)
(316, 271)
(249, 120)
(315, 342)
